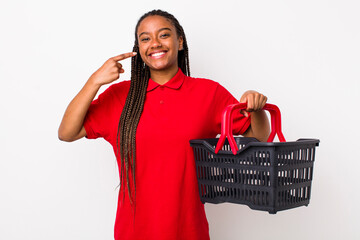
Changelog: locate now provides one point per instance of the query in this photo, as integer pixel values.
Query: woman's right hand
(110, 70)
(71, 127)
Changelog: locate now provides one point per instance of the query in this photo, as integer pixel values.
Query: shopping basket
(268, 176)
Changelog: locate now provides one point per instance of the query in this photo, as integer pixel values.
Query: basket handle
(226, 125)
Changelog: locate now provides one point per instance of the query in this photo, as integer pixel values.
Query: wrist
(93, 82)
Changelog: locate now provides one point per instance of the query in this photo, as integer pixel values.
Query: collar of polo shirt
(174, 83)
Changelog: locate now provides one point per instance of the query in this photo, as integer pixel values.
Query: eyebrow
(161, 29)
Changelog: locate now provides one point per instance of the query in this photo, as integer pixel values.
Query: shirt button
(161, 101)
(161, 87)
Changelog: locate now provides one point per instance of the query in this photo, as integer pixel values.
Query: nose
(155, 43)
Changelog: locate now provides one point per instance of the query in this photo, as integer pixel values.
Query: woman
(149, 122)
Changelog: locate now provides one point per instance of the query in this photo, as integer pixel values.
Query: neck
(163, 76)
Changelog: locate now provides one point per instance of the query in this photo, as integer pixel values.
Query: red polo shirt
(168, 205)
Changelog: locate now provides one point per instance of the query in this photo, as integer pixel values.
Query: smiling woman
(149, 122)
(159, 45)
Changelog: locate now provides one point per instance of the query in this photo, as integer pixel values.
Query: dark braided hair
(130, 116)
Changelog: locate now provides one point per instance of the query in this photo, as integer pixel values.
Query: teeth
(157, 54)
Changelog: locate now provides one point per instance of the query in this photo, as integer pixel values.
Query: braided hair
(130, 116)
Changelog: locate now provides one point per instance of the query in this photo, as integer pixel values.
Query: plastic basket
(268, 176)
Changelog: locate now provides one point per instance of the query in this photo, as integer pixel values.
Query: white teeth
(157, 54)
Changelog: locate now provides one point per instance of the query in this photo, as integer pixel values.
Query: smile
(157, 55)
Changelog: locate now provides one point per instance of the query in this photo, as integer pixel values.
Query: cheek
(142, 53)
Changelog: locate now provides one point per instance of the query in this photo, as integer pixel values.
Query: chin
(159, 67)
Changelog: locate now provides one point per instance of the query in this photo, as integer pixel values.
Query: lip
(158, 54)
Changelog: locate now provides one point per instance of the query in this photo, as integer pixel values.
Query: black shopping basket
(269, 176)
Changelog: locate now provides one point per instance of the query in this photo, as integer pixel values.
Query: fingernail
(134, 53)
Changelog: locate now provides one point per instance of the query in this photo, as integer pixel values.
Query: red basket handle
(226, 125)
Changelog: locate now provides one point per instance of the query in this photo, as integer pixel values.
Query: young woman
(149, 121)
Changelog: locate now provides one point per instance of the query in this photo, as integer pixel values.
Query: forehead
(153, 24)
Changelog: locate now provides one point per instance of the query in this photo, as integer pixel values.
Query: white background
(304, 55)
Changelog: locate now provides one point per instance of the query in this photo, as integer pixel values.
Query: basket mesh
(264, 176)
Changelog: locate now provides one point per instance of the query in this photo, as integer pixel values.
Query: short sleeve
(102, 111)
(222, 99)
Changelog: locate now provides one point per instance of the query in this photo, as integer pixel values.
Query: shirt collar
(174, 83)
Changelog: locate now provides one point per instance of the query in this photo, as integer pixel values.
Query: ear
(181, 42)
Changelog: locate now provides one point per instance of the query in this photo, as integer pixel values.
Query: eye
(145, 39)
(164, 35)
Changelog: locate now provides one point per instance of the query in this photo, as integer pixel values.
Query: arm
(259, 127)
(71, 127)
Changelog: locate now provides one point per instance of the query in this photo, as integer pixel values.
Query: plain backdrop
(303, 55)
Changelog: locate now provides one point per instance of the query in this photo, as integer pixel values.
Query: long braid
(138, 111)
(128, 112)
(134, 105)
(123, 128)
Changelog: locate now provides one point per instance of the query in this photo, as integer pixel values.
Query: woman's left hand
(255, 101)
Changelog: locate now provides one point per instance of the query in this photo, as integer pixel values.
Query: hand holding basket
(268, 176)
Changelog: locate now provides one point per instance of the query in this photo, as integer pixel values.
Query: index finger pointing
(124, 56)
